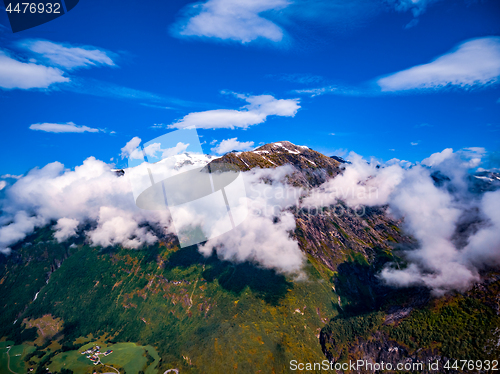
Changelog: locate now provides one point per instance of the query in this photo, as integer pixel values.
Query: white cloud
(153, 149)
(130, 147)
(22, 75)
(264, 236)
(417, 7)
(432, 215)
(90, 193)
(473, 63)
(62, 127)
(257, 111)
(2, 185)
(438, 158)
(238, 20)
(232, 144)
(5, 176)
(68, 56)
(414, 143)
(361, 183)
(396, 161)
(21, 225)
(65, 228)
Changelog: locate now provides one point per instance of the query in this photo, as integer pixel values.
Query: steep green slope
(192, 309)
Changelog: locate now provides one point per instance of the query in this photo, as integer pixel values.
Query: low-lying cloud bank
(92, 200)
(90, 193)
(434, 199)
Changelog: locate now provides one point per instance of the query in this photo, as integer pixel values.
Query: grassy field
(17, 364)
(128, 356)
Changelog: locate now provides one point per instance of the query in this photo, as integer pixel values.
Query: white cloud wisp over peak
(68, 127)
(432, 214)
(473, 63)
(232, 144)
(26, 75)
(240, 21)
(67, 56)
(258, 109)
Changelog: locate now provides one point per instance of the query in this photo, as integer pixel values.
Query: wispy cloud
(232, 144)
(337, 90)
(62, 128)
(257, 111)
(473, 63)
(156, 106)
(240, 21)
(67, 56)
(25, 75)
(298, 78)
(5, 176)
(417, 7)
(95, 87)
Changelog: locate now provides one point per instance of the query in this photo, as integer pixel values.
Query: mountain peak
(314, 166)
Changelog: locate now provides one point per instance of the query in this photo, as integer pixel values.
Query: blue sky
(389, 79)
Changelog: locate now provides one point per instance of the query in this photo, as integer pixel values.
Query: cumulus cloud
(62, 127)
(432, 212)
(94, 202)
(257, 111)
(65, 228)
(241, 20)
(130, 147)
(155, 150)
(2, 185)
(67, 56)
(361, 183)
(22, 75)
(232, 144)
(473, 63)
(265, 235)
(91, 192)
(21, 224)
